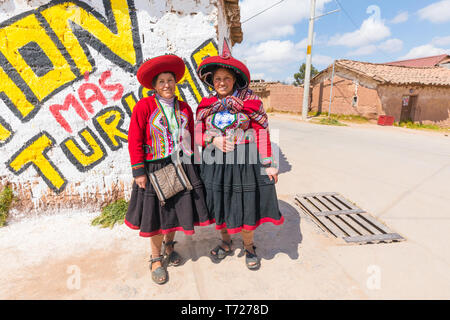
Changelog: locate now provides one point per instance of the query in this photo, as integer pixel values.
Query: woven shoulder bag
(169, 180)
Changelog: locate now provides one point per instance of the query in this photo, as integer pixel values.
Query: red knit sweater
(262, 134)
(148, 136)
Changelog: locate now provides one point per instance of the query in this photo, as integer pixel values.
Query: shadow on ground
(269, 238)
(284, 165)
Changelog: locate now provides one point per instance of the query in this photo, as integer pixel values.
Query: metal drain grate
(343, 219)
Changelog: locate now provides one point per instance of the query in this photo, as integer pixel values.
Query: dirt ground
(398, 175)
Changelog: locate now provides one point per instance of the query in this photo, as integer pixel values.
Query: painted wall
(68, 87)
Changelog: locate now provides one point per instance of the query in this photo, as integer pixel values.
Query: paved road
(398, 175)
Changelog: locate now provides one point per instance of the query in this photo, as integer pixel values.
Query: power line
(262, 11)
(346, 13)
(357, 27)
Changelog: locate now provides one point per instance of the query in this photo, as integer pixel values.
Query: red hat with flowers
(225, 60)
(150, 68)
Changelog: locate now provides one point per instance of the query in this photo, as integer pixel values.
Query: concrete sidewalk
(398, 175)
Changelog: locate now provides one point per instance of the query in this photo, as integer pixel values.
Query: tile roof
(398, 75)
(421, 62)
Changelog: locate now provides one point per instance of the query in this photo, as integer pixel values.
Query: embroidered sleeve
(136, 138)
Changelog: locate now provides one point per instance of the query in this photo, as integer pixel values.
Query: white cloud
(319, 61)
(400, 18)
(256, 76)
(363, 51)
(269, 55)
(276, 22)
(302, 44)
(441, 41)
(273, 59)
(437, 12)
(391, 45)
(372, 30)
(424, 51)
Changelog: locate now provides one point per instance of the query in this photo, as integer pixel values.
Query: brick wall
(279, 97)
(285, 97)
(432, 106)
(368, 103)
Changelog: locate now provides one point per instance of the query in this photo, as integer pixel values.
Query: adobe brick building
(419, 94)
(277, 96)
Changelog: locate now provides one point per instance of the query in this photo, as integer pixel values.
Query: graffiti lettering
(69, 101)
(87, 150)
(206, 49)
(81, 160)
(108, 123)
(128, 102)
(111, 87)
(45, 50)
(117, 38)
(15, 93)
(144, 92)
(97, 96)
(19, 35)
(34, 153)
(188, 82)
(6, 132)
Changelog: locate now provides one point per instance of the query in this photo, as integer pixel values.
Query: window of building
(355, 101)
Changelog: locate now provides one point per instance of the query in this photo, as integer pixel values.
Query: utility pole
(308, 61)
(331, 89)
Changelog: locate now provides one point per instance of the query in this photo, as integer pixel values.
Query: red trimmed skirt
(238, 192)
(180, 213)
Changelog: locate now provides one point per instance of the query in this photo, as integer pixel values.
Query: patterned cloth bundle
(235, 104)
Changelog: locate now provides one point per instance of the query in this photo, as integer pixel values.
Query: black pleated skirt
(180, 213)
(238, 192)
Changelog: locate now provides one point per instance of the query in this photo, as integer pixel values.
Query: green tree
(299, 77)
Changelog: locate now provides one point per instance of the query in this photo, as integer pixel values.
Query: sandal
(159, 276)
(251, 259)
(174, 258)
(219, 252)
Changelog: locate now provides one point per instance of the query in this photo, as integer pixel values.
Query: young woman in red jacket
(161, 125)
(238, 168)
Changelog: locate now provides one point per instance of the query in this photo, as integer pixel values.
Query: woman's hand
(223, 144)
(141, 181)
(272, 173)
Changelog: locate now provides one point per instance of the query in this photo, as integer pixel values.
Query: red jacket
(148, 136)
(262, 134)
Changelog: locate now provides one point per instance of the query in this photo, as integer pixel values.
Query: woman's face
(165, 85)
(223, 81)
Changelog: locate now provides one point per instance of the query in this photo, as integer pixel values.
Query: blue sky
(274, 44)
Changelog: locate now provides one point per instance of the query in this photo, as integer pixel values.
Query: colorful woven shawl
(235, 104)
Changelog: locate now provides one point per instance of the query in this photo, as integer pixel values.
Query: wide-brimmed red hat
(154, 66)
(206, 68)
